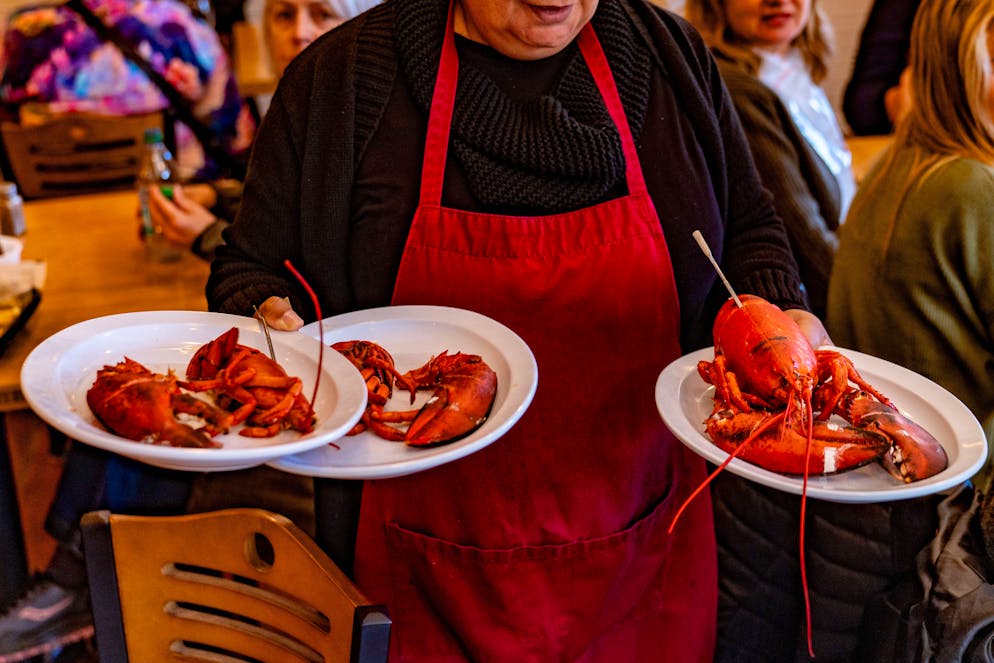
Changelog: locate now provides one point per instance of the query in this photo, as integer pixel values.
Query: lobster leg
(280, 409)
(726, 386)
(840, 370)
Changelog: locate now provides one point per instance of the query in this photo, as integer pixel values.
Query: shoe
(46, 618)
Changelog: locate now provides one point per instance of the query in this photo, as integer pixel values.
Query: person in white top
(773, 55)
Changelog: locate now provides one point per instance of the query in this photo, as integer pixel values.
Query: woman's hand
(278, 314)
(182, 219)
(811, 326)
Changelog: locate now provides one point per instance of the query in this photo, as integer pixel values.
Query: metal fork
(265, 330)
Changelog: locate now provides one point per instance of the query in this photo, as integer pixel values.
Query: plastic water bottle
(157, 170)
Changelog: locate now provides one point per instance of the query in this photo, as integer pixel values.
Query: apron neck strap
(443, 101)
(596, 61)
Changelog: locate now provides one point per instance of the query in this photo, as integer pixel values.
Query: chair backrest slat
(232, 585)
(76, 153)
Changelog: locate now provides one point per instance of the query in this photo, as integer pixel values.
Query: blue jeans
(95, 479)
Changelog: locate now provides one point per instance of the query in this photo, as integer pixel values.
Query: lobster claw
(913, 453)
(465, 387)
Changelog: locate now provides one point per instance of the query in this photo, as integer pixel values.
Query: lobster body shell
(765, 349)
(133, 402)
(765, 369)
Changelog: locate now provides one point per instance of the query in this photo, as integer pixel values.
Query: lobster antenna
(317, 311)
(707, 251)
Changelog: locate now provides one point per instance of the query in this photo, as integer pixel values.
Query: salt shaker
(11, 210)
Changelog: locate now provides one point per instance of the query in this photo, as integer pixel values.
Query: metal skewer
(707, 251)
(265, 330)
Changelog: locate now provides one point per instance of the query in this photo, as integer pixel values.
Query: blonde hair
(816, 41)
(951, 76)
(950, 114)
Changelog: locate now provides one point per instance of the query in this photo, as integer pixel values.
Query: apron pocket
(531, 603)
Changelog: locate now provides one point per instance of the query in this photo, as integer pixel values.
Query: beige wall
(7, 6)
(847, 18)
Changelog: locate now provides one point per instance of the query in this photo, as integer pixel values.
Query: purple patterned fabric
(54, 63)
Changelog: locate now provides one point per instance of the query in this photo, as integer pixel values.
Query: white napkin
(19, 278)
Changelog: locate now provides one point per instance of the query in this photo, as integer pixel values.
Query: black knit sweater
(319, 193)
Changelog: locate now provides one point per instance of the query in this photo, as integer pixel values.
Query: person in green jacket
(913, 282)
(913, 279)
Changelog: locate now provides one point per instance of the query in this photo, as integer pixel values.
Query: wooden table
(865, 152)
(96, 266)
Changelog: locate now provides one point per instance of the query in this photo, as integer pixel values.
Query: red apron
(550, 544)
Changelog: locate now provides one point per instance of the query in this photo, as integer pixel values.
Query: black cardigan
(300, 200)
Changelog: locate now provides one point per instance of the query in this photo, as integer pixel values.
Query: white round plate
(412, 334)
(57, 374)
(685, 401)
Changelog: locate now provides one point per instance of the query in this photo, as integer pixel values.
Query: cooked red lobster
(464, 391)
(774, 395)
(254, 387)
(133, 402)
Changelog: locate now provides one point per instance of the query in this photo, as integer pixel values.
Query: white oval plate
(685, 401)
(412, 334)
(57, 374)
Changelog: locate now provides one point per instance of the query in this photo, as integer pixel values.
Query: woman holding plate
(544, 164)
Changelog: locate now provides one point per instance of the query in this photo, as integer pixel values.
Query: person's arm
(757, 256)
(881, 57)
(296, 199)
(248, 268)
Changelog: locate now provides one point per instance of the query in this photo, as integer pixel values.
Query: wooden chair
(76, 153)
(229, 586)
